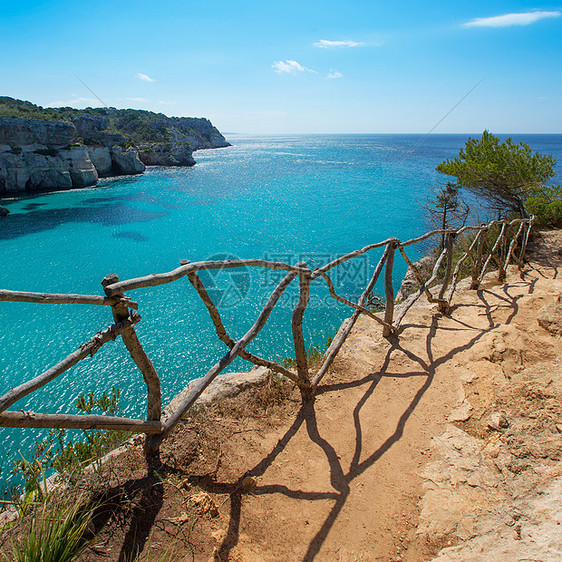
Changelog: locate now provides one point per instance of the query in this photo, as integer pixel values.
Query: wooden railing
(500, 241)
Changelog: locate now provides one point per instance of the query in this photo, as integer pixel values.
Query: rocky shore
(40, 154)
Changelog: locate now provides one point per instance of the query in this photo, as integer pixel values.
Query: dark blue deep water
(281, 197)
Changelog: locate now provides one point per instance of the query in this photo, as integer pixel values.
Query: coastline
(45, 150)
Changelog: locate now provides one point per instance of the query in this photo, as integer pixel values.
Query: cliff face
(199, 133)
(21, 132)
(107, 150)
(45, 149)
(47, 155)
(182, 135)
(167, 154)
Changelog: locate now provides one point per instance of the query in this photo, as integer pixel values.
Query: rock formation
(67, 148)
(40, 155)
(108, 150)
(410, 283)
(183, 136)
(199, 133)
(550, 317)
(167, 154)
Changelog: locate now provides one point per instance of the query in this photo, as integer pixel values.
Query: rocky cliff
(48, 155)
(43, 149)
(109, 151)
(183, 135)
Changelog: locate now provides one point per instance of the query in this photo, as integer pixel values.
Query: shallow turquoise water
(280, 197)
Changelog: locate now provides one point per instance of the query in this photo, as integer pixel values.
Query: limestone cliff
(109, 151)
(199, 133)
(179, 137)
(48, 155)
(44, 149)
(167, 154)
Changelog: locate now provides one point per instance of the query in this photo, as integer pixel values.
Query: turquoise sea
(278, 197)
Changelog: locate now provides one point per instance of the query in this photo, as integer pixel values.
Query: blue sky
(295, 67)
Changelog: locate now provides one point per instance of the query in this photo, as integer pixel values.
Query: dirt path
(345, 480)
(364, 471)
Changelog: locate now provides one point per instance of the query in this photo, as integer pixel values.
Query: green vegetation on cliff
(10, 107)
(136, 125)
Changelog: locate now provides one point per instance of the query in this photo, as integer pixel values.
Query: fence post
(511, 249)
(525, 241)
(475, 283)
(389, 289)
(130, 339)
(502, 274)
(443, 304)
(296, 325)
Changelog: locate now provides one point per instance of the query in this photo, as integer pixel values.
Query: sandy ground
(444, 438)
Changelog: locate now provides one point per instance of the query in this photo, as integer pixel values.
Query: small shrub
(314, 355)
(289, 362)
(275, 391)
(68, 457)
(547, 207)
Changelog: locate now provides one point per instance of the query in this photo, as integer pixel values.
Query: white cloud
(144, 77)
(325, 44)
(334, 74)
(508, 20)
(290, 67)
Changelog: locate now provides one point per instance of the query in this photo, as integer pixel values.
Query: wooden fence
(500, 241)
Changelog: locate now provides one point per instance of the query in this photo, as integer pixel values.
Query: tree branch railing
(479, 251)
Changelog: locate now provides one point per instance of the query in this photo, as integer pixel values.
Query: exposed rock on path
(495, 484)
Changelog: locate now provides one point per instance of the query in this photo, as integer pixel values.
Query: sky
(308, 66)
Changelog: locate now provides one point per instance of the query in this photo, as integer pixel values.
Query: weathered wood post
(198, 285)
(511, 249)
(475, 283)
(201, 384)
(346, 327)
(389, 289)
(443, 305)
(130, 339)
(298, 338)
(473, 259)
(502, 274)
(525, 242)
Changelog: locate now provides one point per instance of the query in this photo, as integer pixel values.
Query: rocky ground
(442, 443)
(496, 479)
